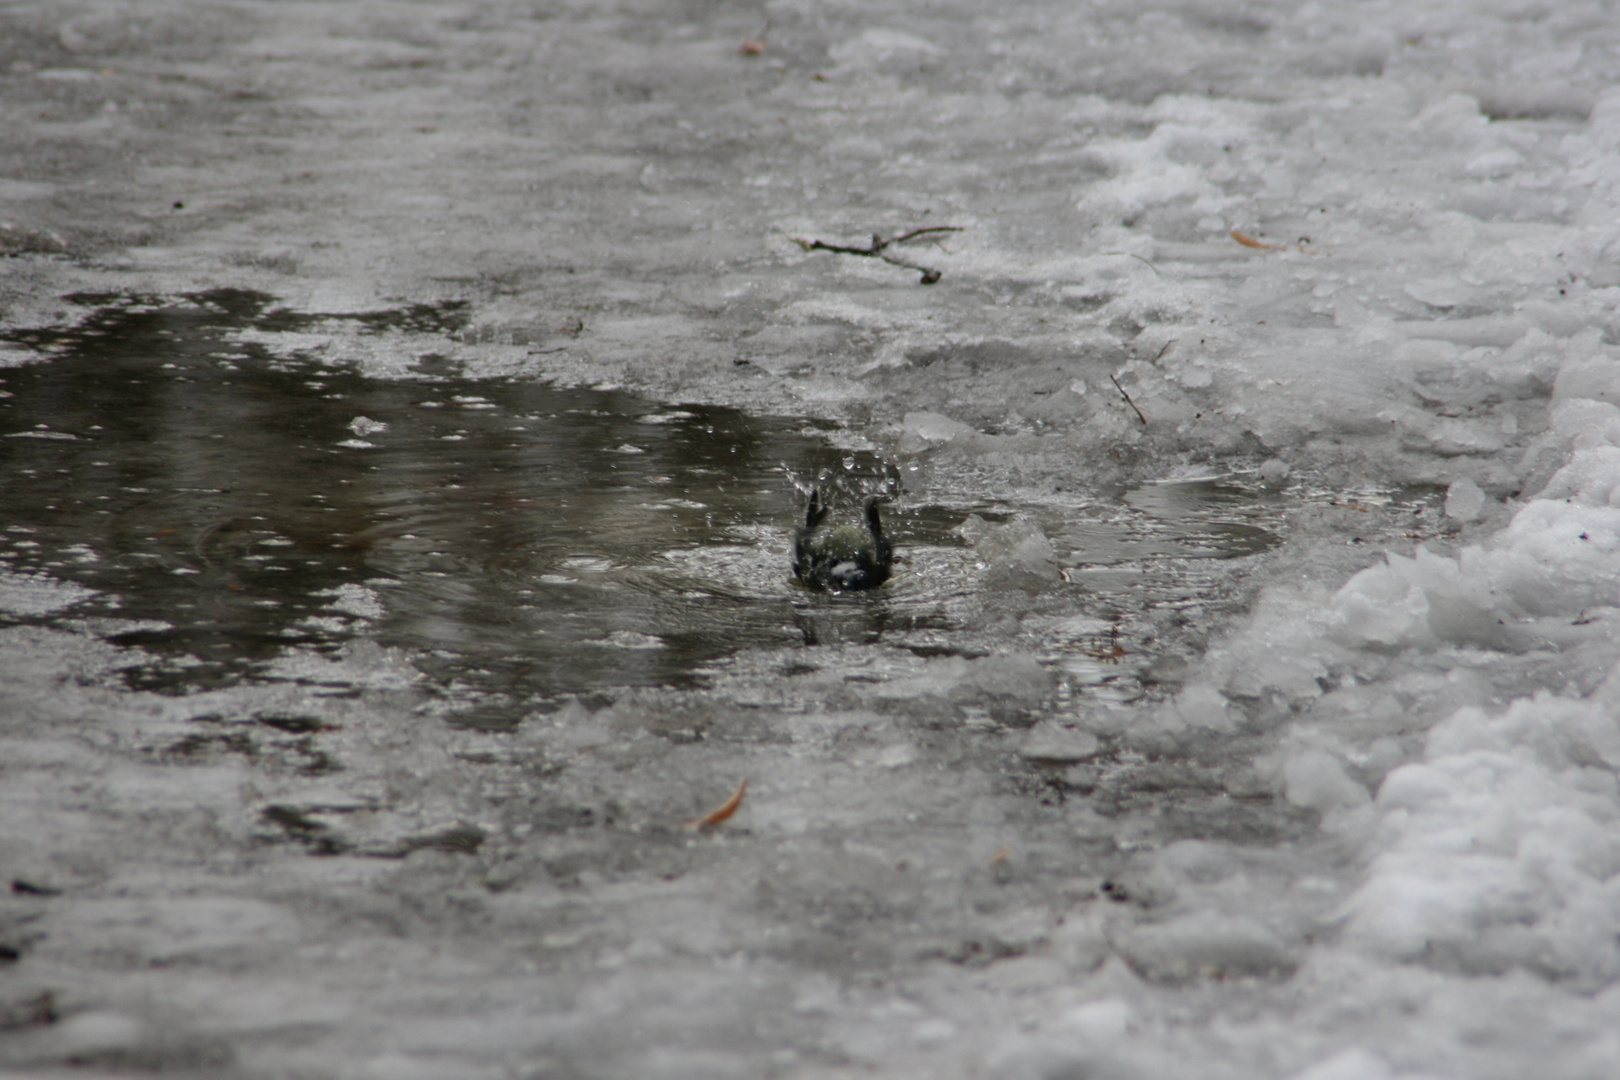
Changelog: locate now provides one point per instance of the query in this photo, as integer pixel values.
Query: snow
(1349, 812)
(37, 594)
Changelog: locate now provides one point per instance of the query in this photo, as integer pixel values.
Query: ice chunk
(357, 600)
(1595, 377)
(1080, 942)
(1464, 500)
(1206, 943)
(572, 727)
(936, 678)
(1584, 424)
(1200, 705)
(1379, 607)
(359, 663)
(1446, 292)
(1016, 679)
(1050, 740)
(934, 428)
(1316, 779)
(893, 756)
(1410, 787)
(1106, 1021)
(1009, 676)
(1018, 553)
(1561, 732)
(1589, 479)
(1280, 653)
(1554, 558)
(1274, 473)
(1161, 169)
(879, 44)
(632, 639)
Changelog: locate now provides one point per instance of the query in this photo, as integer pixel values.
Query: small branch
(914, 233)
(1138, 258)
(1128, 400)
(875, 250)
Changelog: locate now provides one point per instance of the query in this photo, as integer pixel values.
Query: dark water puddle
(508, 531)
(522, 541)
(1212, 518)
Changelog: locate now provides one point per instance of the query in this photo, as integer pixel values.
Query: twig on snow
(1138, 258)
(876, 250)
(1127, 397)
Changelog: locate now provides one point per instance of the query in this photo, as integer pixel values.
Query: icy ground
(1345, 808)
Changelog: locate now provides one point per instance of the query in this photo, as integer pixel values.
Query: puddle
(521, 541)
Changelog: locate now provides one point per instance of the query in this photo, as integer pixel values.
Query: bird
(844, 558)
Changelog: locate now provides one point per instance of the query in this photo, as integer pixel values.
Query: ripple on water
(529, 540)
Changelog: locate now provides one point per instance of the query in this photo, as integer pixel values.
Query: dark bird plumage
(843, 557)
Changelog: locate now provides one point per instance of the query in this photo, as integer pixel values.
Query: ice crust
(1017, 555)
(1430, 300)
(1497, 850)
(37, 594)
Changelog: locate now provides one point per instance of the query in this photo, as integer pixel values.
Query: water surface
(522, 541)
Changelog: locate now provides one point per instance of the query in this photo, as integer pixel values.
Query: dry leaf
(721, 812)
(755, 45)
(1248, 241)
(1000, 856)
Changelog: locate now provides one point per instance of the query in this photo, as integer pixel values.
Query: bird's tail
(816, 512)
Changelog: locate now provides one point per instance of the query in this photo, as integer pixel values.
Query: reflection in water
(520, 540)
(546, 539)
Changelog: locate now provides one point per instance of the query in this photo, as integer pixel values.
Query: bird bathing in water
(844, 558)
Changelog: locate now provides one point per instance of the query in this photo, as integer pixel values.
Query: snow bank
(1452, 716)
(1501, 849)
(1498, 849)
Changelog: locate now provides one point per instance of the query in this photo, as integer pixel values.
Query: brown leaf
(721, 812)
(1248, 241)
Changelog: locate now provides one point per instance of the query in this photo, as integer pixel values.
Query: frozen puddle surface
(242, 507)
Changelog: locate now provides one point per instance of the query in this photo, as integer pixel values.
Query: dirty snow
(1356, 821)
